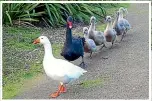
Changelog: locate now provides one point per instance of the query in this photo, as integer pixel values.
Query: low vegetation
(55, 14)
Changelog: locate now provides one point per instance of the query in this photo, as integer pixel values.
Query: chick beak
(36, 41)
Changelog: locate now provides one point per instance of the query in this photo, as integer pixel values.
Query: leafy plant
(15, 13)
(52, 14)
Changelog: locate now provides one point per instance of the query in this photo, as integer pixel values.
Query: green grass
(112, 10)
(57, 49)
(101, 27)
(12, 88)
(92, 83)
(19, 40)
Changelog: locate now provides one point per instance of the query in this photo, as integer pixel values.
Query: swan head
(41, 40)
(69, 22)
(108, 19)
(85, 30)
(92, 19)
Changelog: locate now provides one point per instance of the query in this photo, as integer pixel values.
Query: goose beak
(36, 41)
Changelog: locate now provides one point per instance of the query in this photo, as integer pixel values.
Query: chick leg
(112, 45)
(113, 42)
(103, 46)
(91, 55)
(123, 35)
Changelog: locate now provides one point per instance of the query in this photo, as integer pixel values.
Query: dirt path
(124, 75)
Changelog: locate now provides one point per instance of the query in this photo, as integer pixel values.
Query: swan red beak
(70, 24)
(36, 41)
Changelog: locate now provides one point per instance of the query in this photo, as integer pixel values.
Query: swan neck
(68, 35)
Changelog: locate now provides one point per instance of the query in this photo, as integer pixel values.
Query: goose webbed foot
(61, 89)
(54, 95)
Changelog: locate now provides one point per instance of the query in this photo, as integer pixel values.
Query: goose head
(69, 22)
(42, 40)
(108, 19)
(92, 19)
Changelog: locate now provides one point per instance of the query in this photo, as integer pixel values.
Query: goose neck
(48, 51)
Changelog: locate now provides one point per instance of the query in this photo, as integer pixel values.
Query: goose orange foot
(62, 89)
(54, 95)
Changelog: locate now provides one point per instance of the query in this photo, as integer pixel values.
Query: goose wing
(65, 68)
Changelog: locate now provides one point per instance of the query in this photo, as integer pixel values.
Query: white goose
(58, 69)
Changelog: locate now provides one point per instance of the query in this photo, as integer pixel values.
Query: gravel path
(124, 75)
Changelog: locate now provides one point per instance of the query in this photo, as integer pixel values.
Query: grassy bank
(22, 60)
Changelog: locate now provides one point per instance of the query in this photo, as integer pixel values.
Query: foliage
(52, 14)
(17, 12)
